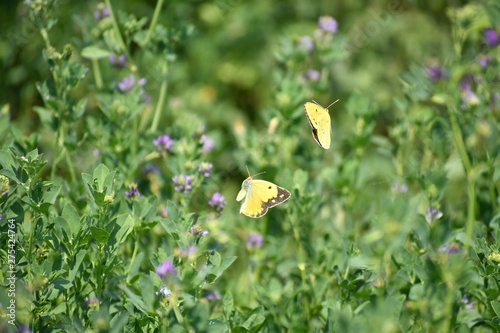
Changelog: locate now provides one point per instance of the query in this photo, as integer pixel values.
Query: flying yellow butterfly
(319, 118)
(259, 196)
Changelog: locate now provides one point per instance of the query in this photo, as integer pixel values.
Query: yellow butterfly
(259, 196)
(320, 121)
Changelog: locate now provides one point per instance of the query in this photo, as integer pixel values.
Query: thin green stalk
(70, 166)
(134, 254)
(116, 28)
(160, 105)
(97, 74)
(156, 14)
(471, 206)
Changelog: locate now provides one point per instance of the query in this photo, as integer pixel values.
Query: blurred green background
(223, 72)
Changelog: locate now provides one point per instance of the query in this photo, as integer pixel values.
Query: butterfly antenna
(331, 104)
(253, 175)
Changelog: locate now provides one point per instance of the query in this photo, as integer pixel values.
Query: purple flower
(166, 268)
(164, 291)
(126, 84)
(212, 295)
(189, 251)
(483, 61)
(163, 143)
(399, 188)
(133, 192)
(101, 12)
(150, 168)
(117, 61)
(254, 240)
(311, 75)
(164, 211)
(306, 43)
(217, 200)
(208, 144)
(205, 168)
(450, 248)
(182, 183)
(328, 24)
(433, 214)
(467, 302)
(197, 230)
(92, 302)
(96, 152)
(142, 82)
(23, 329)
(492, 37)
(436, 73)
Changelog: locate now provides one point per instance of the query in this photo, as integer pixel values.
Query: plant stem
(161, 102)
(156, 14)
(471, 208)
(97, 74)
(116, 28)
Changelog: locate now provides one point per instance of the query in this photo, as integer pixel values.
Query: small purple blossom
(212, 295)
(101, 12)
(450, 248)
(217, 200)
(208, 144)
(133, 192)
(328, 24)
(164, 211)
(492, 37)
(311, 75)
(399, 188)
(205, 168)
(166, 268)
(92, 303)
(197, 230)
(118, 61)
(142, 82)
(96, 152)
(306, 43)
(254, 240)
(164, 291)
(163, 143)
(189, 251)
(23, 329)
(483, 61)
(182, 183)
(127, 84)
(150, 168)
(433, 214)
(436, 73)
(467, 302)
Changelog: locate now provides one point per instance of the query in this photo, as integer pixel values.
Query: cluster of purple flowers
(163, 143)
(133, 192)
(217, 200)
(165, 269)
(327, 26)
(205, 169)
(254, 240)
(433, 214)
(101, 12)
(182, 183)
(92, 303)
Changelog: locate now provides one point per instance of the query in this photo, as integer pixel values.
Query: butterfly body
(260, 195)
(319, 119)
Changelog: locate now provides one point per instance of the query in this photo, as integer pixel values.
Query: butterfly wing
(320, 121)
(262, 195)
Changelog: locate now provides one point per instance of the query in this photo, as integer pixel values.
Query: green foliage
(118, 179)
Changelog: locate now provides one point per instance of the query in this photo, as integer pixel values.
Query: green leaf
(61, 284)
(94, 52)
(99, 234)
(100, 174)
(496, 307)
(76, 266)
(71, 216)
(495, 323)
